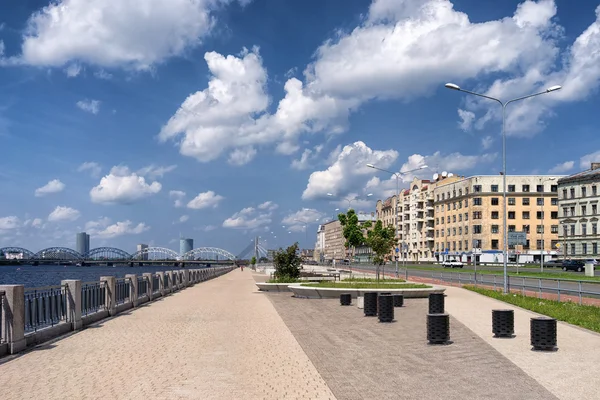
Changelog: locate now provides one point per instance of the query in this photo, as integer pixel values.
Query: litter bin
(589, 269)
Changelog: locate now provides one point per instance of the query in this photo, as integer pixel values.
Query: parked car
(573, 265)
(452, 264)
(553, 263)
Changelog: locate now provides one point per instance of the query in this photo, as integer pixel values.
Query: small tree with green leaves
(253, 261)
(287, 263)
(382, 241)
(352, 230)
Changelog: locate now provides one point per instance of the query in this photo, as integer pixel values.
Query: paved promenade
(217, 340)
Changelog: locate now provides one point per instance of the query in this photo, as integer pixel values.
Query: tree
(287, 262)
(352, 231)
(253, 261)
(382, 241)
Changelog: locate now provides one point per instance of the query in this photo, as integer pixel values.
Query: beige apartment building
(415, 218)
(333, 242)
(469, 222)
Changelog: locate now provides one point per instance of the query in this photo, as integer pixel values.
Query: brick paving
(360, 358)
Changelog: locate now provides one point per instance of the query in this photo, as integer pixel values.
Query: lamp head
(452, 86)
(370, 165)
(553, 88)
(423, 167)
(370, 194)
(329, 194)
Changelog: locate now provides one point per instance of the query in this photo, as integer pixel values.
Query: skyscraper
(82, 245)
(185, 245)
(141, 247)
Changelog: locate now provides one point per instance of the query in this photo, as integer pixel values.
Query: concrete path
(217, 340)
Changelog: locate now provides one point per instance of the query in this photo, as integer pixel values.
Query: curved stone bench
(274, 287)
(331, 293)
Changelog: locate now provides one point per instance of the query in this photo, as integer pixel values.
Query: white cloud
(102, 74)
(467, 118)
(123, 186)
(129, 33)
(308, 158)
(348, 172)
(103, 229)
(206, 228)
(9, 223)
(184, 218)
(487, 142)
(37, 223)
(73, 70)
(438, 162)
(205, 200)
(153, 172)
(241, 156)
(251, 218)
(63, 213)
(297, 221)
(178, 195)
(54, 186)
(586, 161)
(93, 167)
(91, 106)
(563, 167)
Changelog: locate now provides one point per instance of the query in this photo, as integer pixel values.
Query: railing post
(558, 289)
(111, 295)
(13, 317)
(149, 281)
(73, 302)
(133, 288)
(161, 282)
(170, 275)
(580, 294)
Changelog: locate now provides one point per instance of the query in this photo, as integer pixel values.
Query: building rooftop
(588, 174)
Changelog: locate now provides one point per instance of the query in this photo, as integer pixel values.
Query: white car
(452, 264)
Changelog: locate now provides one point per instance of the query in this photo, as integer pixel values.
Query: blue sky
(225, 119)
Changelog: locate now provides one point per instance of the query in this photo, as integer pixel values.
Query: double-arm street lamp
(398, 175)
(543, 227)
(349, 200)
(504, 216)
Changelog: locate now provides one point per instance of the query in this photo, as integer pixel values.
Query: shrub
(287, 262)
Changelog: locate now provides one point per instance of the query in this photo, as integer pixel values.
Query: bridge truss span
(16, 253)
(107, 253)
(58, 254)
(208, 253)
(155, 254)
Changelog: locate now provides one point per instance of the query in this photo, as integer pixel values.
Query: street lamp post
(505, 212)
(397, 175)
(543, 227)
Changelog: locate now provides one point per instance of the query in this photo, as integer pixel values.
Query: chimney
(501, 173)
(595, 165)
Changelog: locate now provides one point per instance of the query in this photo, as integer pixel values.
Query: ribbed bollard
(386, 308)
(345, 299)
(503, 323)
(436, 303)
(543, 334)
(398, 300)
(370, 304)
(438, 328)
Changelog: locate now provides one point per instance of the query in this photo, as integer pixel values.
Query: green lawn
(581, 315)
(366, 285)
(372, 280)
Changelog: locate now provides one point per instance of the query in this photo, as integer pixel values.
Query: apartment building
(578, 198)
(469, 218)
(319, 254)
(415, 218)
(334, 242)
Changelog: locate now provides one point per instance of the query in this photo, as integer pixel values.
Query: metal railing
(555, 286)
(155, 284)
(122, 291)
(93, 297)
(142, 288)
(175, 282)
(45, 307)
(166, 281)
(2, 333)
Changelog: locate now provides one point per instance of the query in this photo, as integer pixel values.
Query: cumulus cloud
(487, 142)
(128, 33)
(586, 161)
(103, 228)
(178, 195)
(562, 168)
(268, 205)
(93, 168)
(153, 172)
(184, 218)
(9, 223)
(91, 106)
(299, 220)
(308, 158)
(467, 118)
(241, 156)
(205, 200)
(251, 218)
(63, 213)
(73, 70)
(53, 186)
(123, 186)
(439, 162)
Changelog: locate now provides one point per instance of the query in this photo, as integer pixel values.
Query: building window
(453, 231)
(554, 214)
(572, 230)
(540, 188)
(540, 229)
(572, 193)
(584, 248)
(539, 244)
(512, 228)
(494, 244)
(495, 201)
(583, 210)
(476, 188)
(594, 245)
(459, 217)
(454, 206)
(476, 214)
(495, 229)
(511, 188)
(448, 206)
(594, 209)
(525, 214)
(454, 218)
(554, 229)
(466, 216)
(525, 188)
(594, 229)
(540, 201)
(540, 215)
(495, 215)
(584, 229)
(495, 188)
(511, 215)
(594, 193)
(526, 245)
(460, 230)
(466, 230)
(525, 201)
(572, 211)
(554, 201)
(476, 229)
(477, 201)
(511, 201)
(564, 193)
(583, 192)
(466, 202)
(572, 248)
(525, 228)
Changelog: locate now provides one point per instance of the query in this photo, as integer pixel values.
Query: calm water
(48, 275)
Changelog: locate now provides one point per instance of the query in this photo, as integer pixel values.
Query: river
(48, 275)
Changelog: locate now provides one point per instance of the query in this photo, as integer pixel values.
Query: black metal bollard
(503, 323)
(386, 308)
(543, 333)
(438, 328)
(398, 300)
(370, 304)
(345, 299)
(436, 303)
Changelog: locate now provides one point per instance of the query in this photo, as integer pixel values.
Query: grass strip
(581, 315)
(372, 280)
(366, 285)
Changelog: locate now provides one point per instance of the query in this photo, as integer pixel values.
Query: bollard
(398, 300)
(436, 303)
(386, 308)
(438, 328)
(543, 334)
(503, 323)
(370, 304)
(345, 299)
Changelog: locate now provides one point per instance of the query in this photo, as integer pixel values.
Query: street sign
(517, 238)
(397, 250)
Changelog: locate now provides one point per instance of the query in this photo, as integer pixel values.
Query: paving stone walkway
(361, 358)
(216, 340)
